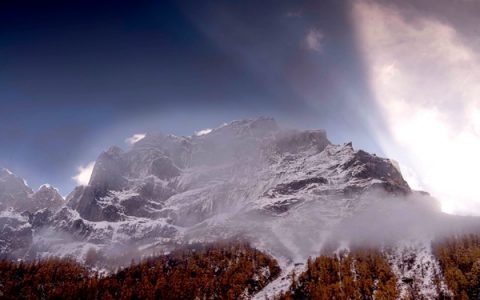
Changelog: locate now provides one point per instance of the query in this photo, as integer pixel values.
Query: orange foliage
(362, 274)
(220, 271)
(459, 259)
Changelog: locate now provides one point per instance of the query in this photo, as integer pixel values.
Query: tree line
(218, 271)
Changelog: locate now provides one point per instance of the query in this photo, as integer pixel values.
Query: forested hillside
(234, 270)
(459, 259)
(220, 271)
(361, 274)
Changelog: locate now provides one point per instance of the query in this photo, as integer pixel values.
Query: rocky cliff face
(246, 163)
(13, 191)
(18, 204)
(16, 194)
(246, 177)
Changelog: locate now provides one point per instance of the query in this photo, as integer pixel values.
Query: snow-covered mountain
(17, 203)
(286, 190)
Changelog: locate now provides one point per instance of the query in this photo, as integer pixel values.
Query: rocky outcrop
(14, 192)
(46, 197)
(17, 195)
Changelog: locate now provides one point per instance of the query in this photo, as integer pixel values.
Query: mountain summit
(248, 177)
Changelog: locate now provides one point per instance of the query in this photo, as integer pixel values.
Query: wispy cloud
(314, 40)
(84, 174)
(294, 14)
(135, 138)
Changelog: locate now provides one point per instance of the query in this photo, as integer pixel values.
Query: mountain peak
(257, 127)
(47, 188)
(47, 197)
(12, 181)
(5, 172)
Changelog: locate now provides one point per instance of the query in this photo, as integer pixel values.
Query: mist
(379, 221)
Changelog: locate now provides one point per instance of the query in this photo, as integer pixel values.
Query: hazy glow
(84, 174)
(135, 138)
(476, 121)
(425, 81)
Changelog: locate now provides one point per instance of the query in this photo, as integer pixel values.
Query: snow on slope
(417, 270)
(282, 282)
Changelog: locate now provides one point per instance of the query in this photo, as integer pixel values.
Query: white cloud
(425, 82)
(84, 174)
(314, 40)
(203, 132)
(135, 138)
(294, 14)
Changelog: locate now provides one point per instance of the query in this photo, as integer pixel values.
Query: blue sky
(78, 76)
